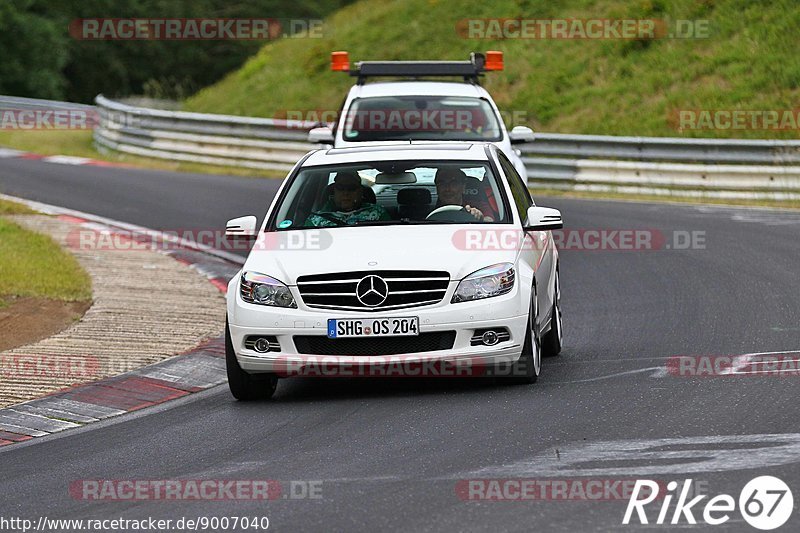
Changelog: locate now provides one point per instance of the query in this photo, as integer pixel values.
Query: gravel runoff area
(147, 307)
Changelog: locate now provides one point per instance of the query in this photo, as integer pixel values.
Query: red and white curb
(198, 369)
(10, 153)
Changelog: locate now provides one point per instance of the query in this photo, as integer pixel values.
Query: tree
(33, 52)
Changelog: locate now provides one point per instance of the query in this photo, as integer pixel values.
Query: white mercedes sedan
(401, 260)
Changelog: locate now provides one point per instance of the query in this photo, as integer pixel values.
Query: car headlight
(261, 289)
(484, 283)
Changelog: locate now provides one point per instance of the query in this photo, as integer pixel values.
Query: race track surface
(391, 454)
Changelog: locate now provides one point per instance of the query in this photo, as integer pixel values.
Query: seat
(475, 195)
(369, 195)
(413, 203)
(327, 196)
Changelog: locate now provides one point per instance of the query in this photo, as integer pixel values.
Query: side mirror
(323, 135)
(242, 228)
(521, 134)
(543, 219)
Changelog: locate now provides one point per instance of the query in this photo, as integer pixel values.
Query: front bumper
(509, 311)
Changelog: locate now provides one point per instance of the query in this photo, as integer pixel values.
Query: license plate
(373, 327)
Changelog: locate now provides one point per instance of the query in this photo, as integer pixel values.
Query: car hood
(459, 249)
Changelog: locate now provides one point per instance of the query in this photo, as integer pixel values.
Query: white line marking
(609, 376)
(66, 159)
(765, 372)
(10, 152)
(56, 210)
(772, 353)
(773, 362)
(744, 360)
(646, 457)
(662, 372)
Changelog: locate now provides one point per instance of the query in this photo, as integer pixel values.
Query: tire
(244, 386)
(552, 341)
(528, 367)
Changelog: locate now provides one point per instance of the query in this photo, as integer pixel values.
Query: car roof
(418, 88)
(457, 151)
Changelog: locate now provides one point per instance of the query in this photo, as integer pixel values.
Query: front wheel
(551, 343)
(246, 387)
(527, 368)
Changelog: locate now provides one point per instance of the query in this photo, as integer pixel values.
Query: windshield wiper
(402, 221)
(378, 222)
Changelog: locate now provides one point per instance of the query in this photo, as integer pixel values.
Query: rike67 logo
(765, 503)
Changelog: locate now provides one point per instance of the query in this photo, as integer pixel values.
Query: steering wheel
(451, 213)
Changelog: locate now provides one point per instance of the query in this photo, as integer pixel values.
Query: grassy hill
(622, 87)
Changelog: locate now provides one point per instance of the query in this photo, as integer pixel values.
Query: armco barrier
(259, 143)
(714, 168)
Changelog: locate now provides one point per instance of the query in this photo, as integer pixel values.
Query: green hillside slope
(750, 61)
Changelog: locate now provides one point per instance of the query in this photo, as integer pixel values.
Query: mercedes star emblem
(372, 291)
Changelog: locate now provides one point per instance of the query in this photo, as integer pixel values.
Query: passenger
(347, 207)
(450, 183)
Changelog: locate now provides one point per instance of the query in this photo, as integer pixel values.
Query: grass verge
(744, 61)
(79, 143)
(13, 208)
(34, 265)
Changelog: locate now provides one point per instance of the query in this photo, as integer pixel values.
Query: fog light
(261, 345)
(490, 338)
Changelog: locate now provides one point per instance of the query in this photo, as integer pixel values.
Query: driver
(347, 206)
(450, 183)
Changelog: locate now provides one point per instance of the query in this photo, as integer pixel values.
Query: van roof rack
(470, 70)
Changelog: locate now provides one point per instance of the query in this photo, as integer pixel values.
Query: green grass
(13, 208)
(34, 265)
(79, 143)
(614, 87)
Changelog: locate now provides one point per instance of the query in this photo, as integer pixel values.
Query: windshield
(390, 193)
(422, 118)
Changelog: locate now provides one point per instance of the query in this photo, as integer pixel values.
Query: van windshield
(420, 118)
(392, 192)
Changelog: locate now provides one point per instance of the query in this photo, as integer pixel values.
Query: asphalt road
(390, 454)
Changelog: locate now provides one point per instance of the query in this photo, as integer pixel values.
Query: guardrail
(664, 166)
(20, 103)
(259, 143)
(714, 168)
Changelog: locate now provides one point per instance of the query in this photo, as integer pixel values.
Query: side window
(522, 197)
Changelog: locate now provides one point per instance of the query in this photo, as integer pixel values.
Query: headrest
(413, 196)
